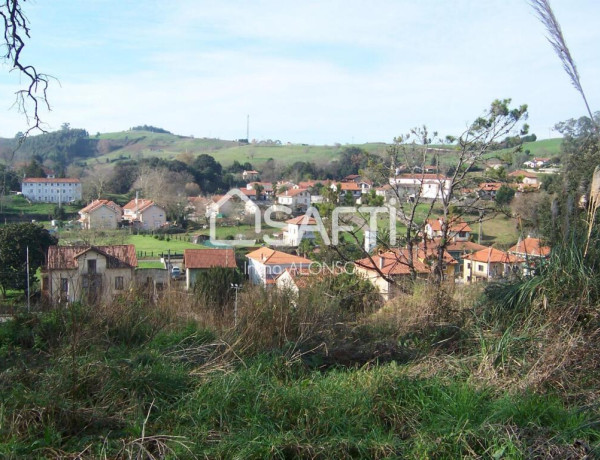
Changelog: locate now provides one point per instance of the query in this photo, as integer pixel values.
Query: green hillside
(137, 144)
(143, 144)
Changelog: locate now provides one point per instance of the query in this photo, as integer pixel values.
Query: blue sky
(316, 72)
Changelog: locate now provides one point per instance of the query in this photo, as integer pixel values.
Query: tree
(413, 152)
(504, 195)
(33, 96)
(14, 241)
(34, 169)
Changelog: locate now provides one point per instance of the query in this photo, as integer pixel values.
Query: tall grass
(297, 378)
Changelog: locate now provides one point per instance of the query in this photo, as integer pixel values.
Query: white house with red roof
(530, 248)
(489, 264)
(145, 214)
(266, 264)
(197, 260)
(51, 189)
(298, 199)
(88, 273)
(456, 229)
(537, 162)
(299, 228)
(250, 175)
(100, 214)
(527, 179)
(426, 186)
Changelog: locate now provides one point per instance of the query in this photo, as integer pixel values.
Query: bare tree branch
(33, 96)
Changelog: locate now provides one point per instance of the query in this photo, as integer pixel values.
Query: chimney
(380, 262)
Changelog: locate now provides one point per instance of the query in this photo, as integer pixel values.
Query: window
(468, 264)
(118, 283)
(480, 267)
(64, 285)
(91, 265)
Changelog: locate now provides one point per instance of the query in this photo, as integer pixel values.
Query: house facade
(489, 264)
(530, 248)
(297, 199)
(144, 214)
(100, 214)
(198, 260)
(297, 230)
(426, 186)
(88, 273)
(51, 190)
(266, 264)
(250, 175)
(389, 272)
(456, 229)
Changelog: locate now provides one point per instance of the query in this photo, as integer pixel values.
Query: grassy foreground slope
(307, 379)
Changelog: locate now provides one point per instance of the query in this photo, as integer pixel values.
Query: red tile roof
(521, 172)
(394, 262)
(45, 180)
(493, 255)
(490, 186)
(302, 220)
(207, 258)
(99, 203)
(349, 186)
(456, 225)
(66, 257)
(531, 247)
(141, 204)
(294, 192)
(268, 256)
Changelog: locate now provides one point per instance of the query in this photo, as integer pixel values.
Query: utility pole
(248, 128)
(235, 305)
(27, 274)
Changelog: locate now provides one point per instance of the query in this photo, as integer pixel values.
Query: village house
(51, 189)
(267, 188)
(494, 163)
(297, 199)
(456, 249)
(266, 264)
(488, 190)
(219, 206)
(348, 187)
(250, 175)
(489, 264)
(426, 186)
(386, 191)
(530, 248)
(297, 230)
(88, 273)
(196, 208)
(457, 229)
(526, 179)
(537, 162)
(103, 214)
(144, 214)
(390, 271)
(198, 260)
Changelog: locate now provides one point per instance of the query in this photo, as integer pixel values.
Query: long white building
(51, 190)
